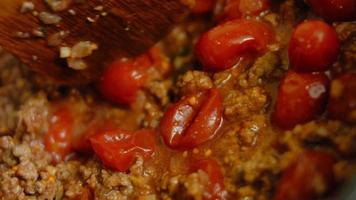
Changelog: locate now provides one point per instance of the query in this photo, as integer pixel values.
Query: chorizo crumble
(246, 99)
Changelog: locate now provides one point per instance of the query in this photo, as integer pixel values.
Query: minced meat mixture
(188, 125)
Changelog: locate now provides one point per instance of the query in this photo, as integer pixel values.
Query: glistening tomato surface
(215, 188)
(222, 47)
(235, 9)
(58, 139)
(334, 10)
(193, 120)
(310, 175)
(301, 98)
(118, 148)
(314, 46)
(121, 80)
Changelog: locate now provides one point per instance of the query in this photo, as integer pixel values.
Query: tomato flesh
(314, 47)
(342, 102)
(58, 139)
(301, 98)
(118, 148)
(221, 47)
(215, 187)
(121, 81)
(193, 120)
(334, 10)
(310, 175)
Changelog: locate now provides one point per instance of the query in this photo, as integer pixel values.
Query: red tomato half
(334, 10)
(314, 47)
(203, 6)
(222, 47)
(235, 9)
(309, 176)
(118, 149)
(122, 79)
(193, 120)
(58, 139)
(215, 190)
(342, 102)
(301, 98)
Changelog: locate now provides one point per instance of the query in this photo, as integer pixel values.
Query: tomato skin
(301, 98)
(304, 177)
(192, 121)
(58, 139)
(215, 190)
(314, 47)
(203, 6)
(118, 148)
(334, 10)
(235, 9)
(342, 102)
(121, 80)
(221, 47)
(81, 141)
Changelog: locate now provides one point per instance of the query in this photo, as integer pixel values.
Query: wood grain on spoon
(120, 28)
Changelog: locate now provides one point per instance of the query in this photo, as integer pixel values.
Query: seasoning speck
(27, 6)
(48, 18)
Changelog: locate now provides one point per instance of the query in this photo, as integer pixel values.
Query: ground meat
(193, 81)
(27, 170)
(191, 186)
(242, 103)
(260, 71)
(15, 89)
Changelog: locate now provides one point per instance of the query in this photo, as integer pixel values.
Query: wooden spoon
(119, 28)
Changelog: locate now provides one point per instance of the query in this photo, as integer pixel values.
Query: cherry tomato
(118, 148)
(301, 98)
(235, 9)
(310, 175)
(222, 47)
(81, 141)
(314, 46)
(193, 120)
(342, 102)
(203, 6)
(58, 139)
(215, 190)
(122, 79)
(85, 194)
(334, 10)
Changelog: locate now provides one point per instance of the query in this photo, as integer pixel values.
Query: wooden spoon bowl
(119, 28)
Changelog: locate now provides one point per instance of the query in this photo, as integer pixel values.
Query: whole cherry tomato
(203, 6)
(310, 175)
(222, 47)
(118, 148)
(314, 46)
(301, 98)
(58, 139)
(235, 9)
(193, 120)
(122, 79)
(342, 102)
(215, 189)
(334, 10)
